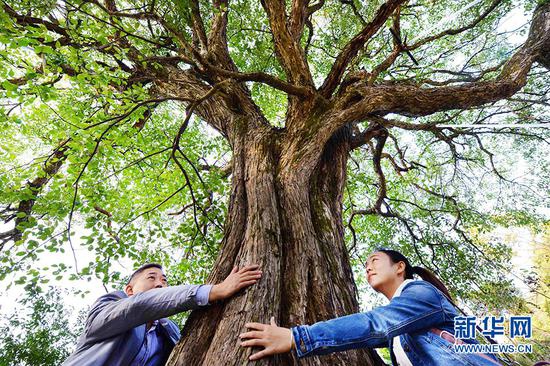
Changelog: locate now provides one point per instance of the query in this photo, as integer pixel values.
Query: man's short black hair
(143, 268)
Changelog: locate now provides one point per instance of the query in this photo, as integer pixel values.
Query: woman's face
(381, 270)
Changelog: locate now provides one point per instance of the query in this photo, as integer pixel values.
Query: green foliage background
(130, 175)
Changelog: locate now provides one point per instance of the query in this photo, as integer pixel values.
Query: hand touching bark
(274, 339)
(236, 280)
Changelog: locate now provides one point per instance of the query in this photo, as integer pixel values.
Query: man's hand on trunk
(237, 279)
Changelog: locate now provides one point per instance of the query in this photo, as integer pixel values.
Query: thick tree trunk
(291, 224)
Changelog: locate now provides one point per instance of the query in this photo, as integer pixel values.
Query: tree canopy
(118, 118)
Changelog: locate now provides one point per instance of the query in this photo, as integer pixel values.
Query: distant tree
(38, 332)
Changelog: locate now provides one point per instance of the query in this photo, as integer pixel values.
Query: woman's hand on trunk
(274, 339)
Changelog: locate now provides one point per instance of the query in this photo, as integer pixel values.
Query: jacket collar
(401, 287)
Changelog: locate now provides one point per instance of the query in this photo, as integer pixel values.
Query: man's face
(149, 279)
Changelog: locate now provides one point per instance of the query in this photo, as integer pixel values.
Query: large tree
(295, 89)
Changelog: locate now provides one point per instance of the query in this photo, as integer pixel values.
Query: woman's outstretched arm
(419, 307)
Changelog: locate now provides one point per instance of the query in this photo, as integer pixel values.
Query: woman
(417, 325)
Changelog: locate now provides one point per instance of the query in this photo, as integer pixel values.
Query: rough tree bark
(290, 222)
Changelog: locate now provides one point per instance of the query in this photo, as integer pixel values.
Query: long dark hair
(411, 270)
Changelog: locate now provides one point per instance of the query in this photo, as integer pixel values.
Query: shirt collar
(401, 287)
(153, 326)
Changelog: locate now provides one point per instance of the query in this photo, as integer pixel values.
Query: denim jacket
(411, 316)
(116, 324)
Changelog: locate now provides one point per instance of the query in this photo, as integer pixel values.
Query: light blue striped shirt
(151, 352)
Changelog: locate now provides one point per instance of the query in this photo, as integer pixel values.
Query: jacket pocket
(449, 351)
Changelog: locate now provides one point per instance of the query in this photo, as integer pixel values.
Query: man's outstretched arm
(113, 314)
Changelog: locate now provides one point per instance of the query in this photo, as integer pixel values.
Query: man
(129, 328)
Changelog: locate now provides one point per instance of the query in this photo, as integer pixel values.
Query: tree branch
(217, 38)
(451, 32)
(376, 160)
(262, 78)
(25, 20)
(298, 16)
(23, 212)
(373, 130)
(199, 31)
(361, 101)
(352, 48)
(288, 51)
(109, 222)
